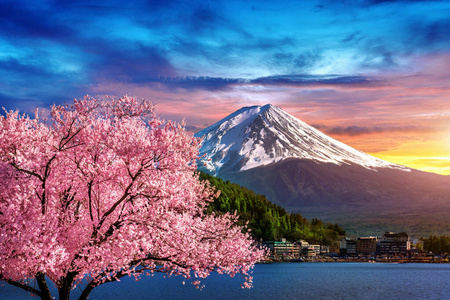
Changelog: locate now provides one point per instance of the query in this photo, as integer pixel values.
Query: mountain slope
(256, 136)
(266, 220)
(304, 170)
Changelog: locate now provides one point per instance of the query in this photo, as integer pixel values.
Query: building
(343, 246)
(316, 248)
(303, 244)
(324, 250)
(347, 247)
(283, 248)
(395, 243)
(309, 251)
(366, 245)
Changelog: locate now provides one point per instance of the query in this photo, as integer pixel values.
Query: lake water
(288, 281)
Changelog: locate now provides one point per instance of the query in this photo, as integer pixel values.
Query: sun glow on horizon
(438, 165)
(432, 155)
(428, 152)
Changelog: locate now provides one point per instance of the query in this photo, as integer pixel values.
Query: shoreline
(395, 260)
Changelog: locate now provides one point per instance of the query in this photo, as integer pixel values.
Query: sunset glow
(372, 74)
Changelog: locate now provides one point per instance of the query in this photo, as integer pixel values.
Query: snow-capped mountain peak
(260, 135)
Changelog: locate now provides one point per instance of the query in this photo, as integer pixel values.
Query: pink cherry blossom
(103, 189)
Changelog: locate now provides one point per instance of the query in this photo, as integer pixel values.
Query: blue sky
(370, 73)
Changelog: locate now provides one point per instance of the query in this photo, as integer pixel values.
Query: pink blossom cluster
(103, 189)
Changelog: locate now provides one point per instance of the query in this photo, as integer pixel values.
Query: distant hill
(269, 221)
(303, 170)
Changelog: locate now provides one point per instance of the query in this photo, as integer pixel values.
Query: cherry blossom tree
(102, 189)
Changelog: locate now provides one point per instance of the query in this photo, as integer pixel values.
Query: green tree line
(269, 221)
(436, 244)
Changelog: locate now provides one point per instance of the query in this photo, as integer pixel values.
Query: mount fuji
(302, 169)
(257, 136)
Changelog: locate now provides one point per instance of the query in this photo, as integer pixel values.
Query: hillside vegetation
(269, 221)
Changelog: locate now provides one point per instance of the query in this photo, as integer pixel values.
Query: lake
(288, 281)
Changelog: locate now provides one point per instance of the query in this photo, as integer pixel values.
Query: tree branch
(44, 180)
(32, 173)
(117, 203)
(69, 137)
(93, 284)
(109, 232)
(45, 292)
(41, 178)
(90, 199)
(99, 280)
(21, 285)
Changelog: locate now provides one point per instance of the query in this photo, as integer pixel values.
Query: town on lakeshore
(391, 247)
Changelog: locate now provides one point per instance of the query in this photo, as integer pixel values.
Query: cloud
(305, 80)
(219, 83)
(15, 67)
(31, 21)
(215, 46)
(193, 128)
(376, 2)
(437, 162)
(363, 130)
(203, 18)
(355, 38)
(27, 84)
(132, 63)
(13, 102)
(429, 34)
(295, 63)
(201, 82)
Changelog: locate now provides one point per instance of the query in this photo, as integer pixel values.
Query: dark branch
(44, 180)
(101, 279)
(32, 173)
(109, 232)
(91, 285)
(68, 137)
(45, 292)
(21, 285)
(90, 199)
(117, 203)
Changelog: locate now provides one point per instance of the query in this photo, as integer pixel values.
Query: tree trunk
(66, 285)
(45, 292)
(64, 293)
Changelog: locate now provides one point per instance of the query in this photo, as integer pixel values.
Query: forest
(267, 220)
(436, 244)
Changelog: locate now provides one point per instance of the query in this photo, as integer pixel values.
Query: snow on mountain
(260, 135)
